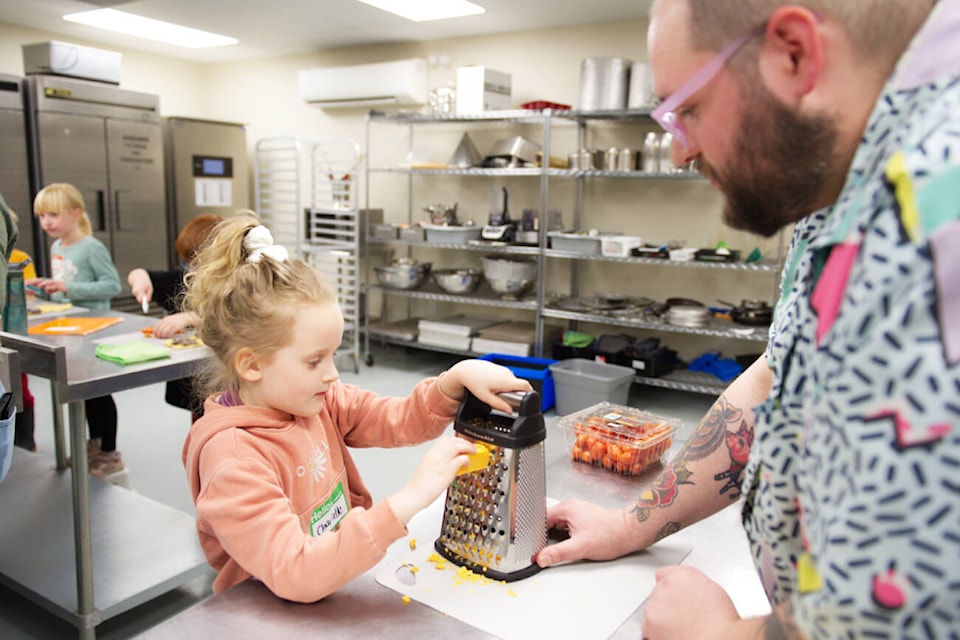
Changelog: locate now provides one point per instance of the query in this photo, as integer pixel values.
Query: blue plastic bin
(536, 370)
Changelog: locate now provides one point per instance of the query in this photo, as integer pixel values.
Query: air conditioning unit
(402, 82)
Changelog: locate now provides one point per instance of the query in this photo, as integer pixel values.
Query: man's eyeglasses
(666, 113)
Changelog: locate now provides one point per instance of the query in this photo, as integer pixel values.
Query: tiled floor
(150, 438)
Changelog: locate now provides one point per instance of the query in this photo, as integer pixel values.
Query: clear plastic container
(618, 438)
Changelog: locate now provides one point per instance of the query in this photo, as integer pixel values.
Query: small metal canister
(651, 153)
(610, 159)
(627, 160)
(666, 154)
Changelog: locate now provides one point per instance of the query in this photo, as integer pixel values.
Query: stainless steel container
(640, 95)
(651, 153)
(627, 160)
(604, 83)
(610, 159)
(666, 154)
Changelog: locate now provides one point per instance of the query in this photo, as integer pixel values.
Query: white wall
(544, 65)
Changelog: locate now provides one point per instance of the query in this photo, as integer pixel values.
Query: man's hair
(879, 29)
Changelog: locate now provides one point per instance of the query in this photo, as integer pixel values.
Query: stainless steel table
(364, 608)
(147, 547)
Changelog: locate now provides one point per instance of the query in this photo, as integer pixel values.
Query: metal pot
(604, 83)
(751, 312)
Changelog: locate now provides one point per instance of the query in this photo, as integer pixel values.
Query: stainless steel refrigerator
(14, 162)
(207, 170)
(108, 142)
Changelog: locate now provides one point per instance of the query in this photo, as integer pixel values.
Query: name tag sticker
(329, 514)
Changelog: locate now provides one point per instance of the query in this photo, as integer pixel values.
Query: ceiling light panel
(425, 10)
(150, 29)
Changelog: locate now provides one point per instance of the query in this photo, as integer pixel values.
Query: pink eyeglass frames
(666, 113)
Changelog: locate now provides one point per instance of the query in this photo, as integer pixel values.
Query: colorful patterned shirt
(853, 485)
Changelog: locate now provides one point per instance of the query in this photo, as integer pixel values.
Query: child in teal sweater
(83, 273)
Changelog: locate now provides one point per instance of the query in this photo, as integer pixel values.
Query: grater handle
(513, 398)
(523, 403)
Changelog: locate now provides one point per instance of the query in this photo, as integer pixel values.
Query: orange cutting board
(73, 326)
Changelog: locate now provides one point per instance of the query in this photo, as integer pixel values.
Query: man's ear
(791, 58)
(247, 365)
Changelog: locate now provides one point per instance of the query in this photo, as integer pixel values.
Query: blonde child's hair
(244, 304)
(61, 197)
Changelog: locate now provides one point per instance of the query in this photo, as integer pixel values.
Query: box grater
(495, 518)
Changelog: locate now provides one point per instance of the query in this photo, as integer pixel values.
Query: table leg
(86, 613)
(59, 446)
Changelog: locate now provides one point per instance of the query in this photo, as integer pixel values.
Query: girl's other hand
(432, 477)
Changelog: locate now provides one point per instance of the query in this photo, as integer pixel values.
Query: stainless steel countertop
(364, 608)
(76, 374)
(70, 363)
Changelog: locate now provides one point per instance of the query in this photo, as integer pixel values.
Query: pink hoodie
(262, 480)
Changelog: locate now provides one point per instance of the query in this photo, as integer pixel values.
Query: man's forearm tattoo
(711, 431)
(709, 435)
(668, 529)
(739, 444)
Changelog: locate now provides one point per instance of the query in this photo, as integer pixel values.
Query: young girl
(82, 273)
(278, 496)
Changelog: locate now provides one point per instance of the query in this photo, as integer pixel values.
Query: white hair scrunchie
(259, 242)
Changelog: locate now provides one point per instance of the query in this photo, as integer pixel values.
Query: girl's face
(59, 224)
(294, 378)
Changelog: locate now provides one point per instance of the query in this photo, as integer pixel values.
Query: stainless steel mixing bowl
(510, 288)
(403, 276)
(457, 280)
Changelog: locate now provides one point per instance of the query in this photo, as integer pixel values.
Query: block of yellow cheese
(478, 460)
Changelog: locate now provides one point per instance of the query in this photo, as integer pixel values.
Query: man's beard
(780, 164)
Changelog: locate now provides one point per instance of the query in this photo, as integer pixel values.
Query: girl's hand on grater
(432, 477)
(484, 379)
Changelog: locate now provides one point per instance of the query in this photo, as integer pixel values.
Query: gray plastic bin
(582, 383)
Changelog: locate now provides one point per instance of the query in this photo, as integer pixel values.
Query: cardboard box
(481, 89)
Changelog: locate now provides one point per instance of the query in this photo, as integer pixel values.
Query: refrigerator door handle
(101, 212)
(116, 210)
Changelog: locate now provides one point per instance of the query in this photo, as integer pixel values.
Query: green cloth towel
(577, 339)
(131, 352)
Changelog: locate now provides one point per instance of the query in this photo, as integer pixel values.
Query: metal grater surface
(494, 519)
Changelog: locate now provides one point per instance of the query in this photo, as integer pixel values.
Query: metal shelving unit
(539, 303)
(306, 195)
